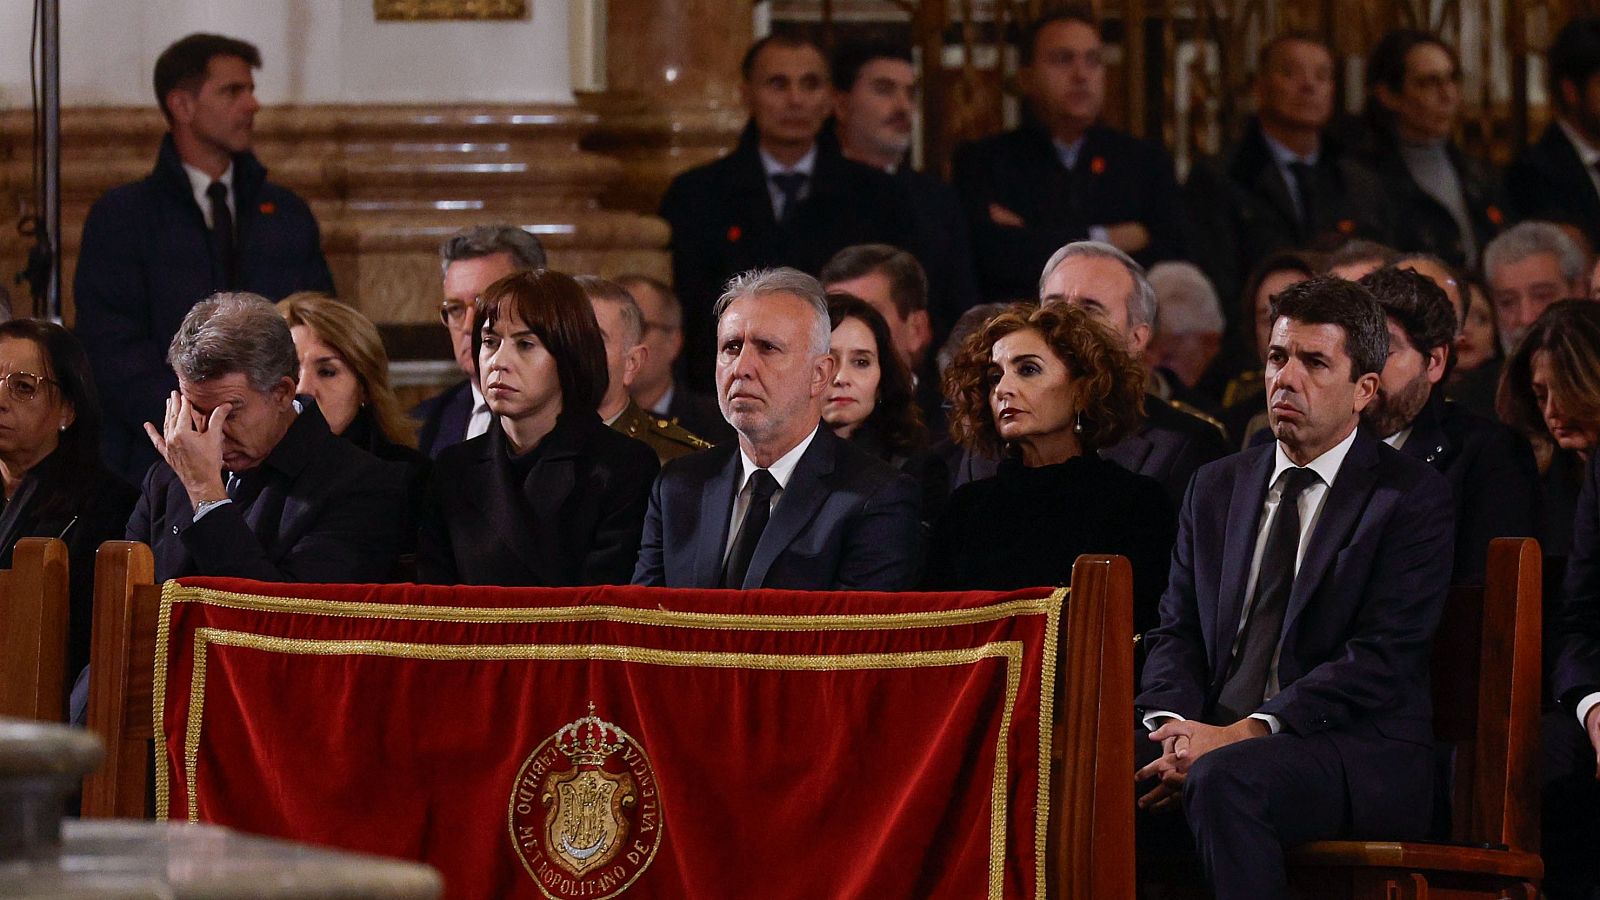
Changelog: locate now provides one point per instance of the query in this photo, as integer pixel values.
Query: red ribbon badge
(1347, 226)
(268, 208)
(1097, 165)
(1495, 215)
(734, 233)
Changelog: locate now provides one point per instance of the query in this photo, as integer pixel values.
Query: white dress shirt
(481, 417)
(1283, 158)
(199, 182)
(804, 166)
(781, 470)
(1310, 505)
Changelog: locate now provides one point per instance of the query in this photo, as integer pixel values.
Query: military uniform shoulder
(669, 429)
(1194, 413)
(1242, 385)
(667, 438)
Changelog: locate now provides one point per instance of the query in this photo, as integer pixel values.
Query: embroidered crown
(589, 740)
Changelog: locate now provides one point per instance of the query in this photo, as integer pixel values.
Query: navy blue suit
(1354, 754)
(846, 521)
(146, 259)
(444, 419)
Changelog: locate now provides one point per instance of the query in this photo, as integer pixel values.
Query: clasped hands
(1182, 742)
(191, 444)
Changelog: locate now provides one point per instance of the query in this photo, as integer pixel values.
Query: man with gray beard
(1489, 466)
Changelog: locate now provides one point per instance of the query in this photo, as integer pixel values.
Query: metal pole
(51, 78)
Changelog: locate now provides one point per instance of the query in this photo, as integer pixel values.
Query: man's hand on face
(192, 445)
(1129, 237)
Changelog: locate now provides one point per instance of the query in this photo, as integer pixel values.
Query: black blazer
(722, 224)
(947, 247)
(572, 519)
(318, 509)
(444, 419)
(845, 522)
(82, 508)
(1577, 636)
(1169, 447)
(1357, 634)
(1549, 181)
(1118, 178)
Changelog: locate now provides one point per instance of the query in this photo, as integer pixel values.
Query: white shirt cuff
(1099, 233)
(1272, 721)
(209, 505)
(1587, 703)
(1153, 717)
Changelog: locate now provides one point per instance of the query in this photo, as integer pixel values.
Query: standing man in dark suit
(252, 484)
(1490, 467)
(657, 387)
(470, 260)
(791, 506)
(204, 220)
(875, 95)
(1288, 183)
(781, 198)
(1556, 179)
(1061, 177)
(1572, 746)
(1287, 684)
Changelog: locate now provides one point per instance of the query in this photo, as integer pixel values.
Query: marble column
(672, 91)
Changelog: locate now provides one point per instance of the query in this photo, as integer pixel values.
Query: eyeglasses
(455, 314)
(24, 386)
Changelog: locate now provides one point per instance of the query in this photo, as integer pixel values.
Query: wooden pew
(1486, 672)
(34, 604)
(1091, 822)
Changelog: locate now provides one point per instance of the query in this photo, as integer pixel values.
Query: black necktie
(1303, 182)
(222, 230)
(790, 184)
(762, 486)
(1246, 684)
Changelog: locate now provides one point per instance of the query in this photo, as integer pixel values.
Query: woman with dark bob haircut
(550, 496)
(55, 484)
(871, 401)
(1044, 388)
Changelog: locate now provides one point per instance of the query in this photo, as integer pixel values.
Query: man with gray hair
(1188, 332)
(1528, 267)
(251, 483)
(792, 505)
(469, 261)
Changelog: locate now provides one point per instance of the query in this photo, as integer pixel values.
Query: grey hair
(1141, 305)
(760, 282)
(607, 291)
(234, 332)
(1528, 238)
(1186, 303)
(479, 241)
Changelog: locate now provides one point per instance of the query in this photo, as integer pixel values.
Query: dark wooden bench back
(34, 604)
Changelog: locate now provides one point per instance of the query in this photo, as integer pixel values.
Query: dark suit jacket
(1549, 181)
(444, 419)
(946, 246)
(146, 259)
(1491, 472)
(1577, 655)
(1354, 659)
(1241, 210)
(318, 509)
(572, 519)
(846, 521)
(722, 224)
(1422, 224)
(1118, 178)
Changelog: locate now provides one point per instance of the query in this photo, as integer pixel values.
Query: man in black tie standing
(783, 197)
(1558, 178)
(1287, 684)
(790, 505)
(204, 220)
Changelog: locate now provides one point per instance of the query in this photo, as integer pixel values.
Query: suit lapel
(1569, 166)
(801, 499)
(716, 511)
(1341, 509)
(1238, 546)
(1130, 452)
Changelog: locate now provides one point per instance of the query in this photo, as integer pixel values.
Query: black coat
(1025, 528)
(946, 246)
(82, 508)
(1549, 181)
(1117, 179)
(1241, 210)
(845, 522)
(317, 509)
(1577, 638)
(444, 419)
(571, 518)
(146, 259)
(1422, 224)
(722, 224)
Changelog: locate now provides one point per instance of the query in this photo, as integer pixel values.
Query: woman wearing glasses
(55, 485)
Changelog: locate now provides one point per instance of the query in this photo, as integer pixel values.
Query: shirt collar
(782, 468)
(1586, 151)
(1068, 153)
(1286, 157)
(200, 181)
(1326, 466)
(477, 396)
(1398, 439)
(803, 166)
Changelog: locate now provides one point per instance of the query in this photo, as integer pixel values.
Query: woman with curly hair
(872, 403)
(1044, 388)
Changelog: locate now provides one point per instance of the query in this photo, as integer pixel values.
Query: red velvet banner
(586, 743)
